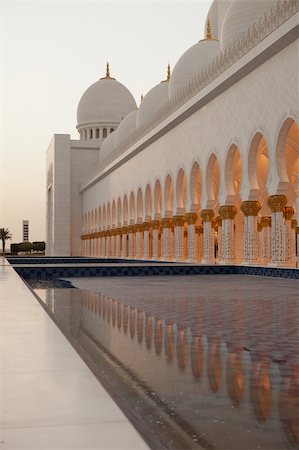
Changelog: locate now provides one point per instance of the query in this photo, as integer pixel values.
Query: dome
(107, 147)
(192, 62)
(105, 101)
(126, 127)
(241, 15)
(152, 102)
(216, 16)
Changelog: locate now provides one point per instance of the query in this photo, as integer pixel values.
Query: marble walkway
(49, 399)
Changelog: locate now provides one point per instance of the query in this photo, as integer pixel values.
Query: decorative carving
(297, 230)
(293, 224)
(277, 203)
(131, 229)
(191, 218)
(124, 230)
(155, 224)
(178, 221)
(266, 221)
(146, 226)
(250, 208)
(166, 222)
(288, 212)
(227, 212)
(207, 215)
(259, 227)
(198, 230)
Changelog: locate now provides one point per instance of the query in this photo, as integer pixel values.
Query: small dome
(192, 62)
(152, 102)
(105, 101)
(242, 15)
(107, 147)
(126, 127)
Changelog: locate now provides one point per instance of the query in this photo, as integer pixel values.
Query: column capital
(207, 215)
(124, 230)
(297, 230)
(288, 212)
(131, 228)
(166, 222)
(218, 221)
(250, 208)
(198, 230)
(227, 212)
(178, 221)
(155, 224)
(191, 218)
(266, 221)
(118, 231)
(139, 227)
(277, 203)
(294, 223)
(146, 226)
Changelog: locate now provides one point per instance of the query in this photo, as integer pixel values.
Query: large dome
(126, 128)
(152, 102)
(241, 15)
(192, 62)
(105, 101)
(216, 16)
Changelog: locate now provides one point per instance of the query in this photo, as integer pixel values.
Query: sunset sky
(50, 52)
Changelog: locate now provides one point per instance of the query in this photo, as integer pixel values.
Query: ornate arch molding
(181, 183)
(158, 198)
(281, 141)
(208, 194)
(168, 194)
(194, 170)
(228, 193)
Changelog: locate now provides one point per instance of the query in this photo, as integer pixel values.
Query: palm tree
(4, 236)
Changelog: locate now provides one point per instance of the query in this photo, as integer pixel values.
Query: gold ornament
(155, 224)
(166, 222)
(277, 203)
(207, 215)
(178, 221)
(288, 212)
(250, 208)
(191, 218)
(227, 212)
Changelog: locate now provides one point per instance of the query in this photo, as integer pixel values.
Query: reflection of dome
(192, 62)
(104, 102)
(126, 127)
(153, 101)
(241, 15)
(107, 146)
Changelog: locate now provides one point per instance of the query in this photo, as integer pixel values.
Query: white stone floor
(49, 399)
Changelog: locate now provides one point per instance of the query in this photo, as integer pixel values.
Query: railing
(255, 34)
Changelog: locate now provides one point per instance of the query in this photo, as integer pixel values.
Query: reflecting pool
(196, 361)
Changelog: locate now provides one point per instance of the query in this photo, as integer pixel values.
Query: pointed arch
(233, 173)
(132, 207)
(104, 217)
(139, 205)
(119, 212)
(158, 199)
(100, 217)
(125, 210)
(113, 219)
(213, 180)
(181, 192)
(195, 187)
(168, 194)
(148, 202)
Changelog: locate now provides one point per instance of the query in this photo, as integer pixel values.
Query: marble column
(131, 249)
(179, 242)
(100, 244)
(146, 240)
(167, 239)
(218, 221)
(156, 225)
(227, 214)
(199, 243)
(288, 213)
(124, 242)
(208, 236)
(277, 203)
(293, 239)
(139, 240)
(113, 243)
(104, 243)
(192, 246)
(118, 242)
(265, 242)
(250, 209)
(297, 241)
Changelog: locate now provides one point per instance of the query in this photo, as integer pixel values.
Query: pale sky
(50, 52)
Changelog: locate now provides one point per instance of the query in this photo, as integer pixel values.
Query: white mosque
(206, 169)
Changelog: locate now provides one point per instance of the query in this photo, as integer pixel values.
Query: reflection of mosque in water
(229, 368)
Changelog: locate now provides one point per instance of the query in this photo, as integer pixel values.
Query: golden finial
(141, 98)
(209, 33)
(107, 70)
(107, 77)
(168, 72)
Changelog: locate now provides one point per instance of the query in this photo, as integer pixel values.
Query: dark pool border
(123, 270)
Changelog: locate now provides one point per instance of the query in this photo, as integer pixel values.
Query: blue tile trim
(46, 273)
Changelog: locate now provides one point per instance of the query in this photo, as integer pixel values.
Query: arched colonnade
(240, 211)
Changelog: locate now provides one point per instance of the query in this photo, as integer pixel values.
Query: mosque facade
(206, 169)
